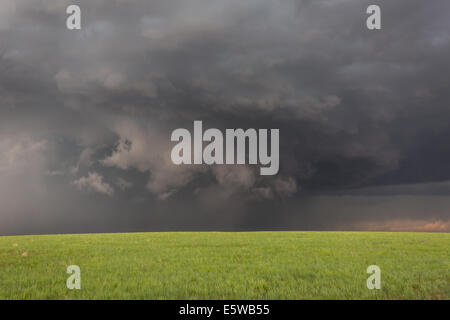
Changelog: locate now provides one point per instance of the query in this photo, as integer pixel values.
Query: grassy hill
(210, 265)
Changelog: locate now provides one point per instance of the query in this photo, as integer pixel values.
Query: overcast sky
(86, 116)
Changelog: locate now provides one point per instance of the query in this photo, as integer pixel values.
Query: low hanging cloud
(146, 149)
(245, 180)
(94, 182)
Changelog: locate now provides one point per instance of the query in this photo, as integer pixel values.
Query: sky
(86, 115)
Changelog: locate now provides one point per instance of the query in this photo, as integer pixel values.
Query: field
(216, 265)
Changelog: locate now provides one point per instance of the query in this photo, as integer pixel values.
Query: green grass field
(210, 265)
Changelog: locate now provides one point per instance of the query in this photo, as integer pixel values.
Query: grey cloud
(362, 115)
(94, 182)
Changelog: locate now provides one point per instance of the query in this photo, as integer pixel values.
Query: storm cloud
(86, 116)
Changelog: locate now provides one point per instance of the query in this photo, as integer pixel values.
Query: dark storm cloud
(86, 116)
